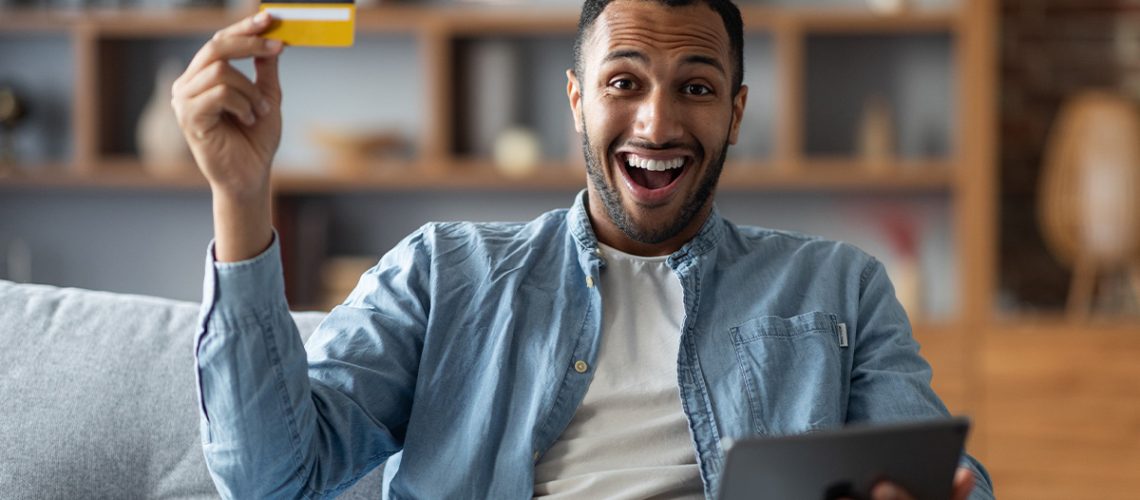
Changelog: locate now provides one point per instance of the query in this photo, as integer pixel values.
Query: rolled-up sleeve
(276, 424)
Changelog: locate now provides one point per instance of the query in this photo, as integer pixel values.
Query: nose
(659, 118)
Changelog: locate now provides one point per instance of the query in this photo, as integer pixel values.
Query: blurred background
(987, 151)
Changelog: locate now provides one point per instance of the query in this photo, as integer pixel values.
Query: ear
(737, 113)
(574, 93)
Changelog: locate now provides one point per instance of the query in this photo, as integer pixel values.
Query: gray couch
(97, 397)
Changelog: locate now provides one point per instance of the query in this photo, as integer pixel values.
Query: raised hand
(233, 126)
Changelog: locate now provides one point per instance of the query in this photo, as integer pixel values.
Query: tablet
(919, 456)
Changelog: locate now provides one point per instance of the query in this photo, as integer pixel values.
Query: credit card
(311, 23)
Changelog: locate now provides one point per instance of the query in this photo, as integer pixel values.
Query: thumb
(268, 81)
(963, 483)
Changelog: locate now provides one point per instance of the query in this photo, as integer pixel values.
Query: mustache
(652, 145)
(693, 147)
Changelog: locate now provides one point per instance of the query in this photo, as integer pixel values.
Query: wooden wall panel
(1061, 413)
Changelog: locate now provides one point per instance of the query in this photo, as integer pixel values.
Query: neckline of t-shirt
(613, 252)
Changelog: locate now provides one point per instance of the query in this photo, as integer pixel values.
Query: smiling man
(604, 351)
(657, 97)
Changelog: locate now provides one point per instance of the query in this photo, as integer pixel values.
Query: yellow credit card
(314, 24)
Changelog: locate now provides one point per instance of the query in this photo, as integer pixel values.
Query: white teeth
(655, 165)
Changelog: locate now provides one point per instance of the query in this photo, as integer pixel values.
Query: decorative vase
(876, 134)
(162, 148)
(517, 152)
(11, 114)
(888, 7)
(906, 276)
(1087, 204)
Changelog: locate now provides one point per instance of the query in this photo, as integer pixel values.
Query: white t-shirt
(630, 437)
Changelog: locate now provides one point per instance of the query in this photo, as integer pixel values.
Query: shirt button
(589, 281)
(581, 366)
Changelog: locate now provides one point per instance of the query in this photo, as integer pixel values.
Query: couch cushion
(98, 396)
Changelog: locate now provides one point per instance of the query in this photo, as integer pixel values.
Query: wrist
(241, 194)
(243, 228)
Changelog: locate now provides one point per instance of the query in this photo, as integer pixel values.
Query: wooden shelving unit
(435, 29)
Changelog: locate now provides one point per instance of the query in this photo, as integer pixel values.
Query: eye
(696, 89)
(622, 84)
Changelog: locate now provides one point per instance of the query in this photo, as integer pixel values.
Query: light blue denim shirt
(463, 354)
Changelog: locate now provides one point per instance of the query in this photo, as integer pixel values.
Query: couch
(97, 397)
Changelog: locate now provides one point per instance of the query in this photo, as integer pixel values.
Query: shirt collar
(706, 239)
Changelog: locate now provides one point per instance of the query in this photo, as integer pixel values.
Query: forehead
(650, 26)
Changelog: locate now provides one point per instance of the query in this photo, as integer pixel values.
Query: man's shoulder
(771, 243)
(490, 236)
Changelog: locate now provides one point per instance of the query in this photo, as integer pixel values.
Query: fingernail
(261, 18)
(273, 44)
(263, 106)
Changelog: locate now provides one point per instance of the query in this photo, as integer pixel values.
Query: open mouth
(652, 174)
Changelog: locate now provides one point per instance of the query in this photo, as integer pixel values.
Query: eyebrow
(625, 54)
(636, 55)
(699, 59)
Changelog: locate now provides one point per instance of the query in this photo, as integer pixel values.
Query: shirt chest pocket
(795, 373)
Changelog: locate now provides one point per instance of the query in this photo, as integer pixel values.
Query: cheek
(606, 120)
(711, 127)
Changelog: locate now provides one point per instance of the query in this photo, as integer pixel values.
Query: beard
(611, 196)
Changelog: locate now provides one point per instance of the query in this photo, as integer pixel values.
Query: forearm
(243, 226)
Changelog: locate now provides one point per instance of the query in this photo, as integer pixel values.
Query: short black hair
(727, 10)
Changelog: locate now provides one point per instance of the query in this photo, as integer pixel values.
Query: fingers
(220, 73)
(252, 25)
(205, 111)
(210, 86)
(267, 80)
(237, 41)
(963, 484)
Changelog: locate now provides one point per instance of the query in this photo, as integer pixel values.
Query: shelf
(19, 21)
(859, 21)
(121, 22)
(477, 176)
(838, 175)
(507, 19)
(815, 175)
(117, 175)
(161, 23)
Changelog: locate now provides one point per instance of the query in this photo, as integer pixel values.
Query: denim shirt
(462, 355)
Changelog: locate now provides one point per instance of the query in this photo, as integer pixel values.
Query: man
(605, 351)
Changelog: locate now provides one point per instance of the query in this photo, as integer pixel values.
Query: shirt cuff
(237, 292)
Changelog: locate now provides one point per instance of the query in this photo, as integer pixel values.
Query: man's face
(656, 113)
